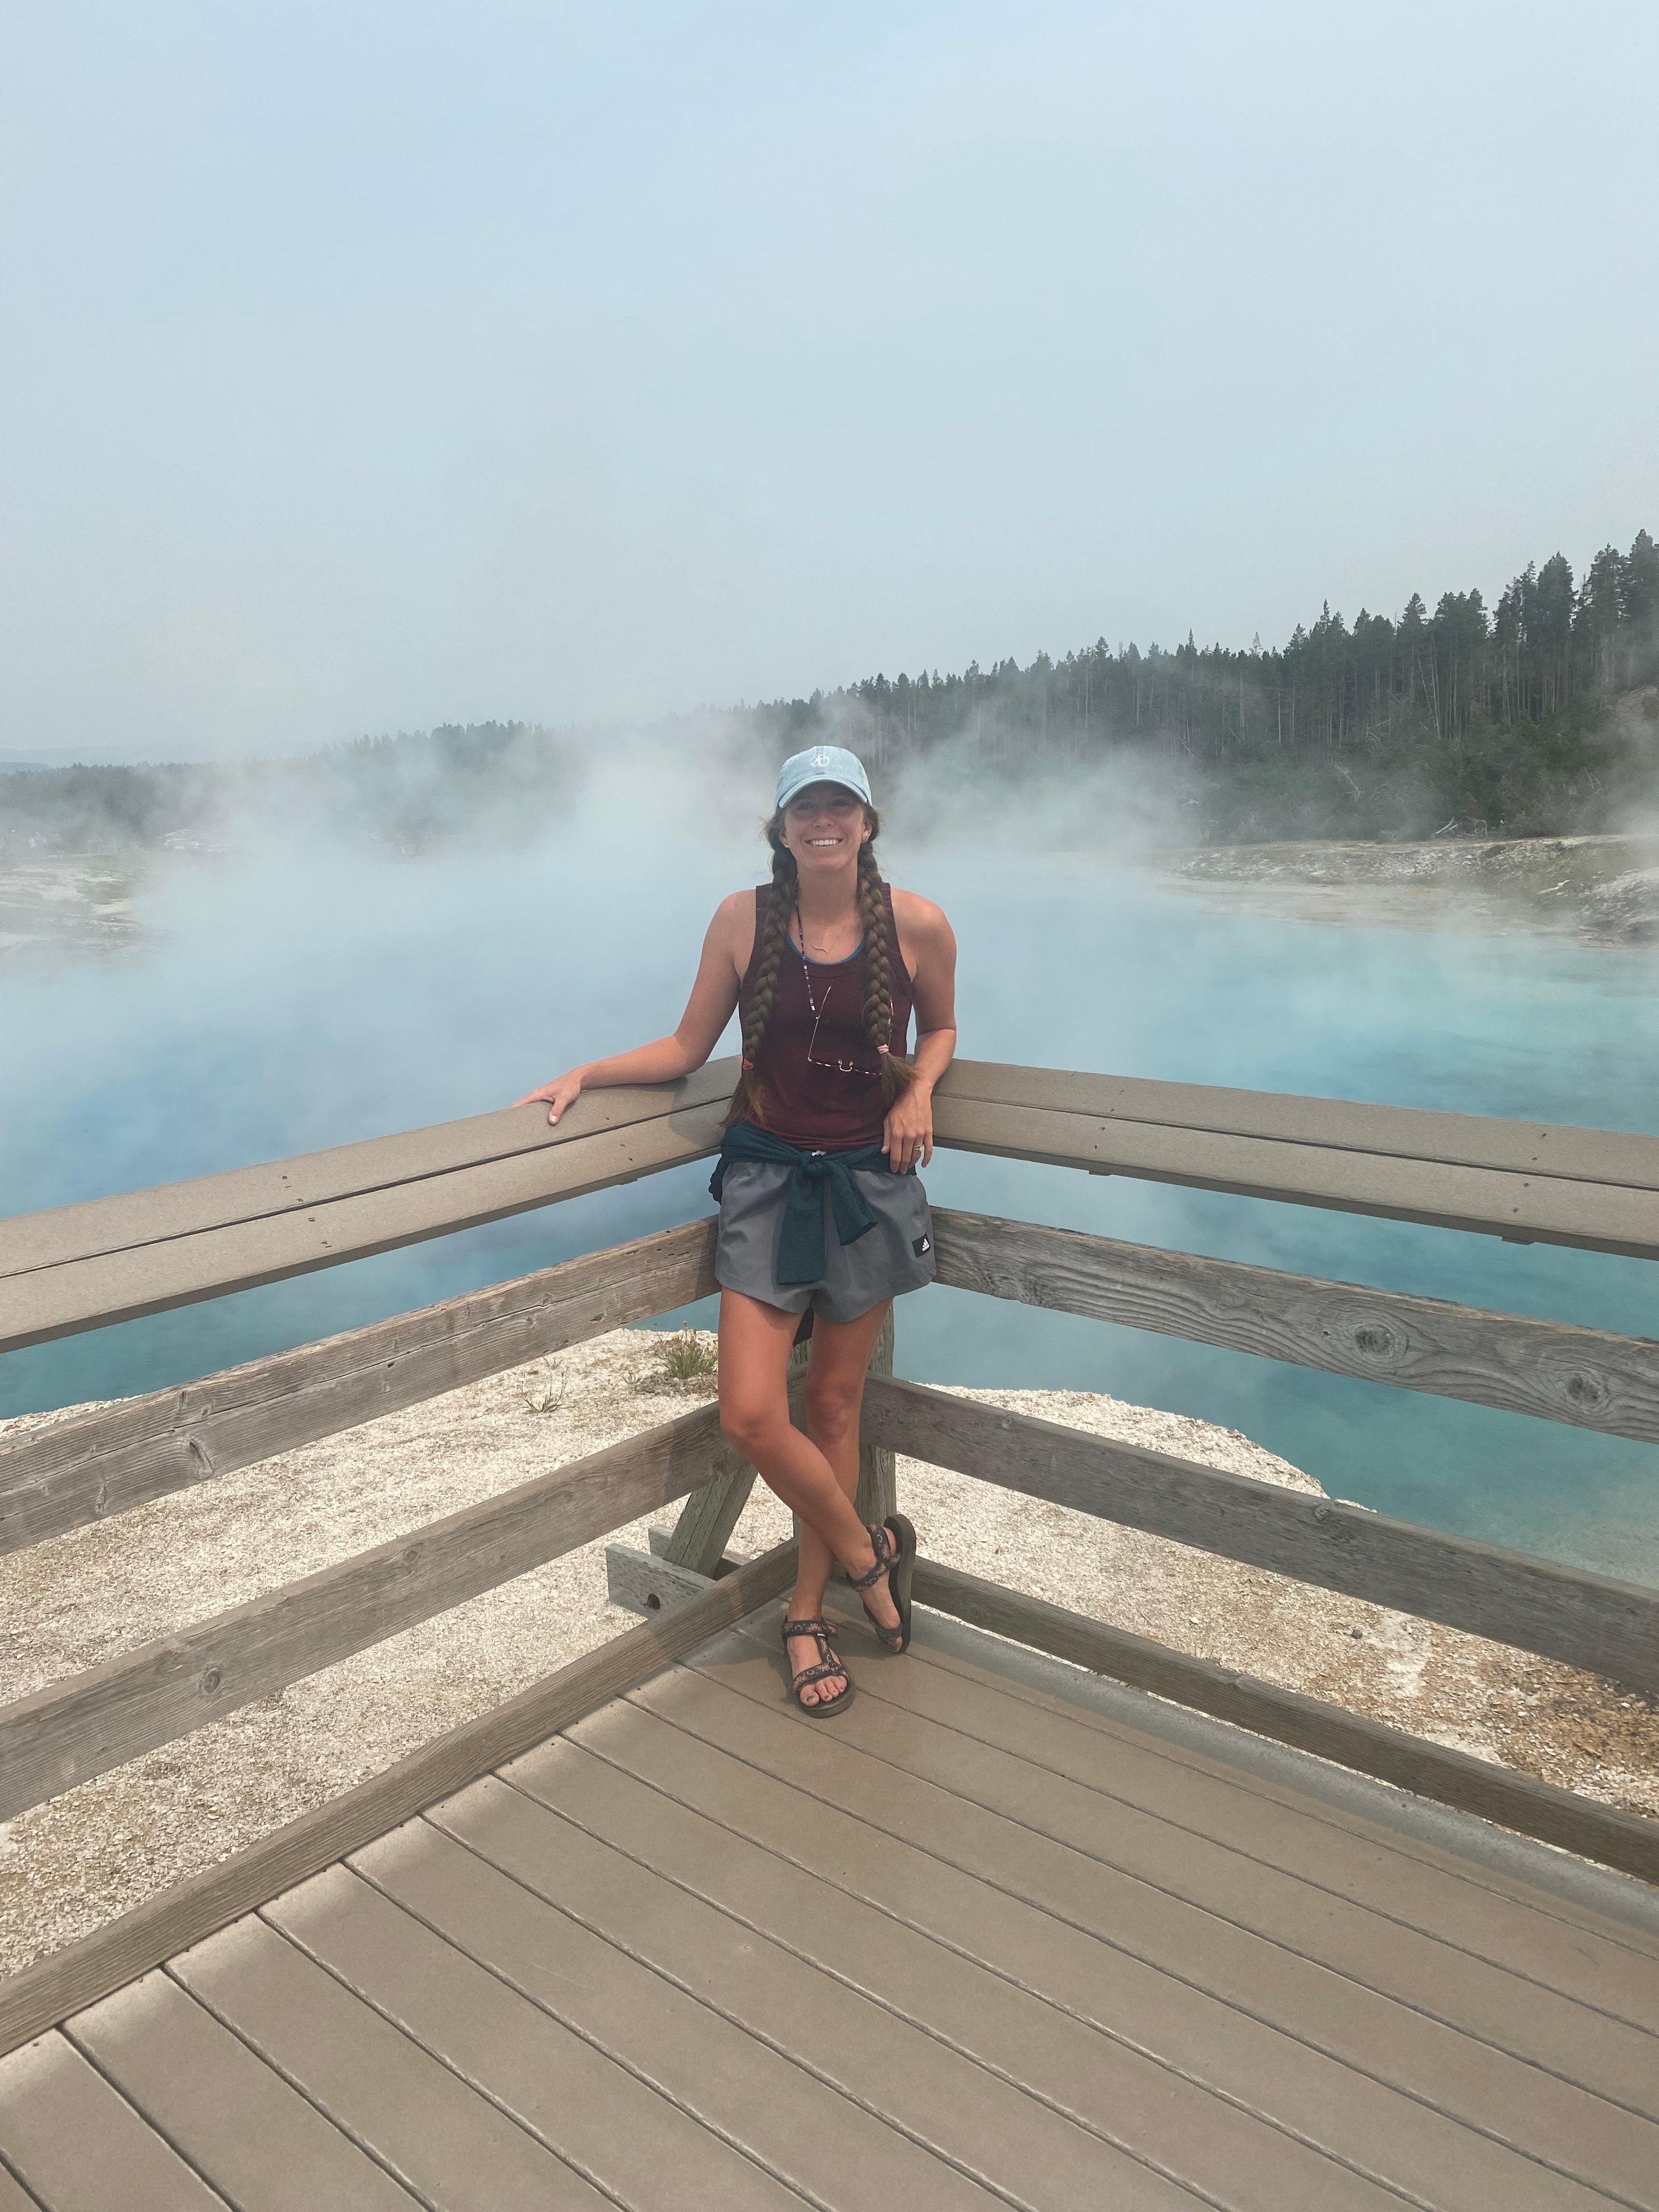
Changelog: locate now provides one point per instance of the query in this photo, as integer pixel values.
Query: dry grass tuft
(687, 1355)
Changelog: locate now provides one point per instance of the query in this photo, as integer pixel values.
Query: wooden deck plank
(80, 2147)
(1465, 1993)
(629, 2140)
(1598, 1845)
(1595, 1970)
(1155, 2112)
(1378, 2129)
(232, 2116)
(966, 2115)
(972, 1944)
(13, 2198)
(793, 2123)
(1533, 2110)
(1069, 1690)
(439, 2137)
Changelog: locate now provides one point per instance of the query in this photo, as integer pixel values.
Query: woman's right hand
(563, 1091)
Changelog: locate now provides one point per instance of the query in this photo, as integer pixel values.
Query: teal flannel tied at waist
(801, 1245)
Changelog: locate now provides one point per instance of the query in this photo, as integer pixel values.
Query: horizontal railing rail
(1320, 1153)
(101, 1227)
(63, 1982)
(82, 1267)
(93, 1465)
(1408, 1134)
(69, 1732)
(1629, 1841)
(1587, 1621)
(1555, 1370)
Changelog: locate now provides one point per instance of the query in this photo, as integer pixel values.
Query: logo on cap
(821, 758)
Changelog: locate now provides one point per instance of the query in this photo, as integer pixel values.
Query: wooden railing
(85, 1266)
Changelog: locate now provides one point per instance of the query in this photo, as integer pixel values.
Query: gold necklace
(823, 947)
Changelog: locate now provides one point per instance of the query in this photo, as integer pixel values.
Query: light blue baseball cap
(822, 764)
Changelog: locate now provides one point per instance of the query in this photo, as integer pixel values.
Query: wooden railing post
(707, 1520)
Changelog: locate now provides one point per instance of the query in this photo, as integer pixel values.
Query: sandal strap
(818, 1630)
(829, 1664)
(886, 1552)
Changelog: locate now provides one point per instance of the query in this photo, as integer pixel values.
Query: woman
(820, 1203)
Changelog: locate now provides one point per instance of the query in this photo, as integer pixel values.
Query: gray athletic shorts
(896, 1256)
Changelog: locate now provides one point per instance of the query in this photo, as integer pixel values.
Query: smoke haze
(375, 368)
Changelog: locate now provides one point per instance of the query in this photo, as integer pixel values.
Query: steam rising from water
(299, 991)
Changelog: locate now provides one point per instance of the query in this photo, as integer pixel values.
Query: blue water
(288, 1001)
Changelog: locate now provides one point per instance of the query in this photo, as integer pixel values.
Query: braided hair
(749, 1099)
(896, 1075)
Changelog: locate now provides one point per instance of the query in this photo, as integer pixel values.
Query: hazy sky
(370, 366)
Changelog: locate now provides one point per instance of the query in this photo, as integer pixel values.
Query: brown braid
(896, 1075)
(749, 1098)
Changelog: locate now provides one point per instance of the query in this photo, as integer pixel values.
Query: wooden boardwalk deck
(998, 1934)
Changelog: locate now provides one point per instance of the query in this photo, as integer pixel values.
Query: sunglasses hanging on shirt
(829, 1067)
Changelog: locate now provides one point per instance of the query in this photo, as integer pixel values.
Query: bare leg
(839, 1362)
(754, 1345)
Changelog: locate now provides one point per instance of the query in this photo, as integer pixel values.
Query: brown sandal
(895, 1543)
(821, 1708)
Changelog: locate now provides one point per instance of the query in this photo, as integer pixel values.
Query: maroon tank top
(832, 1101)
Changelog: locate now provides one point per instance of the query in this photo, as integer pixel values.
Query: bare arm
(708, 1009)
(907, 1134)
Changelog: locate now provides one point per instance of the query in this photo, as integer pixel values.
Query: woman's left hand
(907, 1134)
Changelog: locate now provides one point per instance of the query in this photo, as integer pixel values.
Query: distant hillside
(492, 779)
(1539, 716)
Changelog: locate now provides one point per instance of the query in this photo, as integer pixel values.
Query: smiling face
(823, 827)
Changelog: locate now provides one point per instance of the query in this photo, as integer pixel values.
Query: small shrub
(545, 1395)
(686, 1358)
